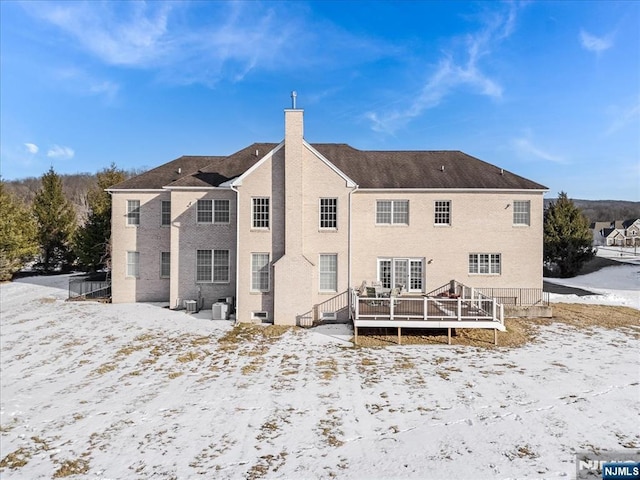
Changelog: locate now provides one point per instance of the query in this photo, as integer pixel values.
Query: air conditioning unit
(191, 306)
(220, 311)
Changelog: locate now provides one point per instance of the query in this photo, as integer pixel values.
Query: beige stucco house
(288, 229)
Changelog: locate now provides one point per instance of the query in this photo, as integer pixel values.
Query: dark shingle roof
(368, 169)
(165, 174)
(222, 169)
(420, 169)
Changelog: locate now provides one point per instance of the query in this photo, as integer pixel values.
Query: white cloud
(128, 33)
(525, 147)
(63, 153)
(624, 117)
(451, 75)
(31, 148)
(595, 44)
(229, 40)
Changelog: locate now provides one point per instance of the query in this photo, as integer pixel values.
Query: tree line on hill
(58, 230)
(604, 210)
(63, 222)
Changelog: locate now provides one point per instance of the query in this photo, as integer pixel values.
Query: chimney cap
(294, 95)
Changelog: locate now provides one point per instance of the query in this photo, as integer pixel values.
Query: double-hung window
(221, 211)
(204, 211)
(392, 212)
(328, 272)
(407, 273)
(522, 212)
(133, 264)
(165, 264)
(165, 213)
(485, 263)
(260, 212)
(260, 272)
(212, 266)
(442, 212)
(329, 213)
(212, 211)
(133, 212)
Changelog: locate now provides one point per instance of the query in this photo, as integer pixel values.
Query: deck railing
(522, 297)
(427, 308)
(83, 289)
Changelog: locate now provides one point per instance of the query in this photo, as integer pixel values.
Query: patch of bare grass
(252, 367)
(267, 463)
(16, 459)
(105, 368)
(249, 332)
(72, 467)
(328, 368)
(590, 316)
(189, 357)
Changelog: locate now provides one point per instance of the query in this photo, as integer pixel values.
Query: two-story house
(286, 227)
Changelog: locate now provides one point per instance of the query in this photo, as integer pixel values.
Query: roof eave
(457, 190)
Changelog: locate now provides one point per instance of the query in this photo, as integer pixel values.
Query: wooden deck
(421, 311)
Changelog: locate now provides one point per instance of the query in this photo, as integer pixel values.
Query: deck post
(495, 336)
(355, 334)
(391, 307)
(449, 336)
(399, 335)
(425, 305)
(494, 309)
(459, 309)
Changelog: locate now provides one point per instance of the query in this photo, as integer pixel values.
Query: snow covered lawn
(138, 391)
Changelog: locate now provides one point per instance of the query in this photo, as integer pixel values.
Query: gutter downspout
(349, 268)
(237, 249)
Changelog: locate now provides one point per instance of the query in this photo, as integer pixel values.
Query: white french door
(408, 272)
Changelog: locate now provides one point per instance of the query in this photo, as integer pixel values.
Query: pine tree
(567, 237)
(92, 240)
(18, 234)
(56, 223)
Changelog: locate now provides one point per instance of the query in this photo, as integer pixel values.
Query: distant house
(617, 233)
(632, 231)
(288, 229)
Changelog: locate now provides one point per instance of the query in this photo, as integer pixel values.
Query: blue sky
(548, 90)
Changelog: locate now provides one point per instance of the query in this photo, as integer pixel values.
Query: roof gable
(223, 169)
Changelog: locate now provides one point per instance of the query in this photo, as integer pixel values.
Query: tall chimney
(293, 182)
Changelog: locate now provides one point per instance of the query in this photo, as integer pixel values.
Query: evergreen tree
(567, 237)
(56, 223)
(92, 240)
(18, 234)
